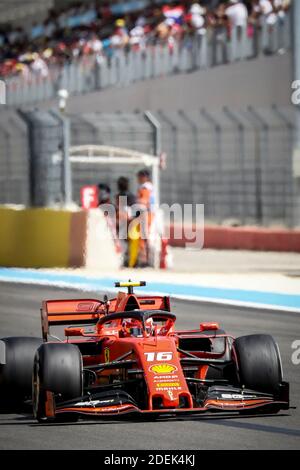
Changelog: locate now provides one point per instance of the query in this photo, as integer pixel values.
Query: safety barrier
(241, 238)
(46, 238)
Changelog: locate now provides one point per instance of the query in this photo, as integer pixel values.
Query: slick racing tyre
(258, 363)
(16, 364)
(58, 370)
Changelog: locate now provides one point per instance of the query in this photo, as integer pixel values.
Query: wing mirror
(209, 326)
(74, 331)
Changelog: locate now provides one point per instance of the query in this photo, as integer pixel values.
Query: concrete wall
(46, 238)
(259, 82)
(237, 238)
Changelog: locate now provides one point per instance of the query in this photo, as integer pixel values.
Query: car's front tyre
(258, 363)
(57, 371)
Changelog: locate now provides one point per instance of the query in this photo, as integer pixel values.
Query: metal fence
(30, 158)
(124, 67)
(14, 159)
(238, 164)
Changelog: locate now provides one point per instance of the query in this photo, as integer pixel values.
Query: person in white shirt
(95, 44)
(198, 18)
(39, 66)
(268, 12)
(237, 13)
(137, 37)
(272, 10)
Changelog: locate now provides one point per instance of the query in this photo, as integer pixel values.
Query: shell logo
(163, 368)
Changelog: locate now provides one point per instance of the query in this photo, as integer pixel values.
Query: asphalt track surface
(19, 315)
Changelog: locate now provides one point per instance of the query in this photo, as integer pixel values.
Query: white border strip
(192, 298)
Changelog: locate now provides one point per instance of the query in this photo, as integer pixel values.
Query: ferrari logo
(106, 355)
(163, 368)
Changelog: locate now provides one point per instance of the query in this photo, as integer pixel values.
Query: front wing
(219, 399)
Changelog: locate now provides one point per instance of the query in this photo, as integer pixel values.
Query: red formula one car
(124, 355)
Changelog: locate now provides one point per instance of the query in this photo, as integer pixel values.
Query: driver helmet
(149, 325)
(131, 327)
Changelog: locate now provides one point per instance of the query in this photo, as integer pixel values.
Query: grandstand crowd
(99, 28)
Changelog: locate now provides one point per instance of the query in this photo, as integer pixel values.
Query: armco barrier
(242, 238)
(46, 238)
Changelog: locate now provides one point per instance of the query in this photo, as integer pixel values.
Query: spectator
(272, 10)
(255, 11)
(104, 194)
(137, 35)
(174, 12)
(198, 20)
(83, 29)
(125, 199)
(39, 66)
(94, 45)
(237, 14)
(123, 190)
(120, 36)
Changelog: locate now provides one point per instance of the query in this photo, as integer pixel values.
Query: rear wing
(70, 312)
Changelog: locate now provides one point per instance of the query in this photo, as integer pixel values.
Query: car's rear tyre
(258, 363)
(58, 370)
(17, 357)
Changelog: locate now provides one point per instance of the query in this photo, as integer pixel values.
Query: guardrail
(124, 67)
